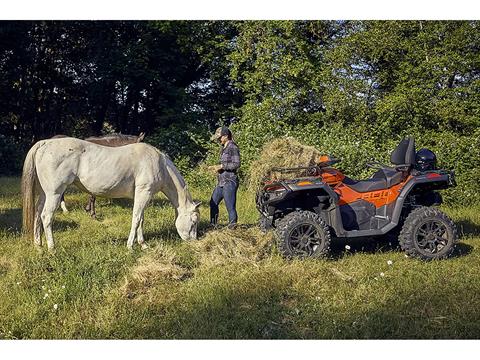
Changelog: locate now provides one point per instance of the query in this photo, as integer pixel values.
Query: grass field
(228, 284)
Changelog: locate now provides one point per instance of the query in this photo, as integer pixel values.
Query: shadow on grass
(128, 203)
(11, 220)
(340, 247)
(380, 245)
(466, 228)
(222, 312)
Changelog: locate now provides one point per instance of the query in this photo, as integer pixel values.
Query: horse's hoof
(52, 251)
(145, 246)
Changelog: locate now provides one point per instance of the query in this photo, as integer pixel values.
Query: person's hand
(215, 168)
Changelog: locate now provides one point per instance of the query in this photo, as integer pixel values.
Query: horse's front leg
(140, 238)
(142, 197)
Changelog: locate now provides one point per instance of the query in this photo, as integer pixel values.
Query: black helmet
(425, 160)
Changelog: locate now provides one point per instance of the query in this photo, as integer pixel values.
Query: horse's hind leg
(90, 207)
(51, 204)
(37, 229)
(62, 204)
(89, 203)
(93, 213)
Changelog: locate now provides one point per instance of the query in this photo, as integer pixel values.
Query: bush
(357, 145)
(188, 146)
(11, 156)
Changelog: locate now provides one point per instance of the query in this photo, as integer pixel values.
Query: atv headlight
(274, 192)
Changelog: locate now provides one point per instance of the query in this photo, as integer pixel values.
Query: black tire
(264, 224)
(303, 234)
(428, 234)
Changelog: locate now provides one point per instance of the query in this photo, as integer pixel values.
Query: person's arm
(231, 160)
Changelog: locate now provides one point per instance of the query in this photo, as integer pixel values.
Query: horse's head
(187, 222)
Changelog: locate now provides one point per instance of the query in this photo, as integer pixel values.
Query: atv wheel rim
(304, 240)
(432, 237)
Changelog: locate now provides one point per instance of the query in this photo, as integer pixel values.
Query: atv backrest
(404, 153)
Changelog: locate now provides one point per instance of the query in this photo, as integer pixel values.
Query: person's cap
(221, 131)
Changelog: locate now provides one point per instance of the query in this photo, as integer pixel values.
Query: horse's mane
(112, 136)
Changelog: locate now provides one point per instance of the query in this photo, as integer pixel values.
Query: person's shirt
(230, 161)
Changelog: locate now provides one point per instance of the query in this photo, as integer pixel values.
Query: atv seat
(366, 185)
(403, 157)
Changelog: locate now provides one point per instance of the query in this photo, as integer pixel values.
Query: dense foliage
(351, 88)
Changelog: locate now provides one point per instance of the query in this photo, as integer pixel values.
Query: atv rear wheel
(303, 234)
(428, 234)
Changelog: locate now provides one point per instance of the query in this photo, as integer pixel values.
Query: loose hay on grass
(160, 264)
(241, 245)
(174, 264)
(282, 152)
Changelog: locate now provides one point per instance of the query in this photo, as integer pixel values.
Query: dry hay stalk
(157, 266)
(283, 152)
(161, 264)
(240, 245)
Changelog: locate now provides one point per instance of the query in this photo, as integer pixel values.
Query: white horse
(135, 171)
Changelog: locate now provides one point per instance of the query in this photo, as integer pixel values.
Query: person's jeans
(229, 193)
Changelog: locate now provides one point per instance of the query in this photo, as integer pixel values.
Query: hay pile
(158, 266)
(163, 264)
(282, 152)
(240, 245)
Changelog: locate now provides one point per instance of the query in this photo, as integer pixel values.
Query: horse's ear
(141, 137)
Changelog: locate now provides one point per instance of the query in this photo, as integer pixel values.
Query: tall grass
(228, 284)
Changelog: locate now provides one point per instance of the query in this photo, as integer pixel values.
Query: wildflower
(19, 282)
(347, 247)
(49, 291)
(63, 286)
(389, 262)
(43, 287)
(55, 306)
(382, 274)
(45, 296)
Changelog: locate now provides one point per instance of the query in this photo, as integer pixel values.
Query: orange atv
(307, 212)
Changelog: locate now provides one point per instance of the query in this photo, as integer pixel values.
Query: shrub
(356, 145)
(11, 156)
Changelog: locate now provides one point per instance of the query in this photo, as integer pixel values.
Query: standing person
(227, 184)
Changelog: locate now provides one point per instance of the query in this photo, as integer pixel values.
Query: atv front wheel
(428, 234)
(303, 234)
(264, 224)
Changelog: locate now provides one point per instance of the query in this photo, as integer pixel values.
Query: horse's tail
(29, 178)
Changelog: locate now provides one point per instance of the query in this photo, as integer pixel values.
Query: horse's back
(101, 170)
